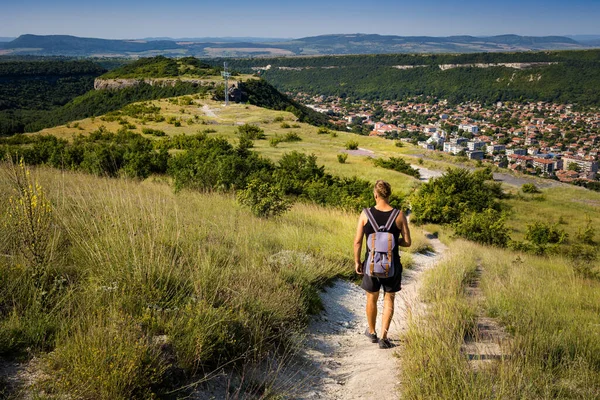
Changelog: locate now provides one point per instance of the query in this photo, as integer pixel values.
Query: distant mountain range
(317, 45)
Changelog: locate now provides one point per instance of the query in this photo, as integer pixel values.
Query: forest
(573, 78)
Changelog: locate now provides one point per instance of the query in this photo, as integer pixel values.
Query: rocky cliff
(115, 84)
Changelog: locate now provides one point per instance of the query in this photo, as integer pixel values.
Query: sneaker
(372, 336)
(385, 343)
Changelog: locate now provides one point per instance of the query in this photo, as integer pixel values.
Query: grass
(221, 285)
(550, 313)
(227, 119)
(133, 262)
(570, 205)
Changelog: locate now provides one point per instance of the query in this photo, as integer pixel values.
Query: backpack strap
(371, 219)
(392, 219)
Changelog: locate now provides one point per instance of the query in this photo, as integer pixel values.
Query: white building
(469, 128)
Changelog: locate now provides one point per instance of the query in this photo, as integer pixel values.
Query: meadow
(124, 287)
(549, 316)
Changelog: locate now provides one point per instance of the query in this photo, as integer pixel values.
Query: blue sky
(268, 18)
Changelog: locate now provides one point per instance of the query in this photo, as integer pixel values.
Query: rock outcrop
(115, 84)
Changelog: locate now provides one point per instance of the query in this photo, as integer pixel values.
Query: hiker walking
(385, 229)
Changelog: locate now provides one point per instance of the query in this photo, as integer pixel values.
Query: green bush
(285, 125)
(253, 132)
(458, 192)
(485, 227)
(323, 130)
(352, 145)
(292, 137)
(274, 141)
(397, 164)
(530, 188)
(542, 233)
(153, 132)
(342, 158)
(263, 199)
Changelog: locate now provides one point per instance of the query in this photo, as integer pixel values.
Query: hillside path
(341, 363)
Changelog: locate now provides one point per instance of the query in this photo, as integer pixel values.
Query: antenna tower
(226, 75)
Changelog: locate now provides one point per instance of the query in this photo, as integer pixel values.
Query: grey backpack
(381, 243)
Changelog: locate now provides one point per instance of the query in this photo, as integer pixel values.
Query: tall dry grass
(552, 317)
(151, 288)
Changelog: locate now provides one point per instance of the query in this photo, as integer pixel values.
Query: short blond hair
(383, 189)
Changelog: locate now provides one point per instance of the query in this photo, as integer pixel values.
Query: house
(587, 166)
(469, 128)
(546, 166)
(453, 148)
(523, 161)
(519, 152)
(475, 155)
(472, 146)
(496, 148)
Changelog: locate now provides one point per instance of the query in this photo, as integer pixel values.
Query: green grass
(552, 317)
(227, 119)
(139, 261)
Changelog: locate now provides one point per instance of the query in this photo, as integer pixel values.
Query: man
(372, 285)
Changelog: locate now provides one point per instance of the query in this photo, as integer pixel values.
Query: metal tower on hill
(226, 75)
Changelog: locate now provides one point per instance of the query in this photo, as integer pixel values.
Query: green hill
(566, 76)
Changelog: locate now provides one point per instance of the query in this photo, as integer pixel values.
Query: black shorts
(390, 285)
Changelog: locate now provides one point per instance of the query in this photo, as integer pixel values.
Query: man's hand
(358, 267)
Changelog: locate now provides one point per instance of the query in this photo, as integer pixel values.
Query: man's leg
(372, 310)
(388, 313)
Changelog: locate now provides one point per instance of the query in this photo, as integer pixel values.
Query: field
(223, 121)
(501, 325)
(126, 278)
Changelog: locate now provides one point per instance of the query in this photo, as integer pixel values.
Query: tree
(263, 199)
(574, 167)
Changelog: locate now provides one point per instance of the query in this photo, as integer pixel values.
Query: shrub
(285, 125)
(323, 131)
(333, 134)
(486, 227)
(541, 234)
(586, 235)
(397, 164)
(447, 198)
(153, 132)
(30, 219)
(278, 118)
(342, 158)
(253, 132)
(274, 141)
(292, 137)
(109, 359)
(530, 188)
(399, 144)
(264, 199)
(352, 145)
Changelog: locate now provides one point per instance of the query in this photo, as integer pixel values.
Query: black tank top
(381, 218)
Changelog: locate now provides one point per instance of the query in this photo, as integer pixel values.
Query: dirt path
(208, 112)
(341, 363)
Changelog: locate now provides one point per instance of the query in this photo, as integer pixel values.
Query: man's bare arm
(358, 240)
(402, 224)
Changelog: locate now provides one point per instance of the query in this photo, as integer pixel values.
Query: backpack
(381, 243)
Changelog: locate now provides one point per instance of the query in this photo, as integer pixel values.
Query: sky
(113, 19)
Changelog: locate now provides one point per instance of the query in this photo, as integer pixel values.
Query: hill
(41, 94)
(128, 289)
(557, 76)
(316, 45)
(30, 90)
